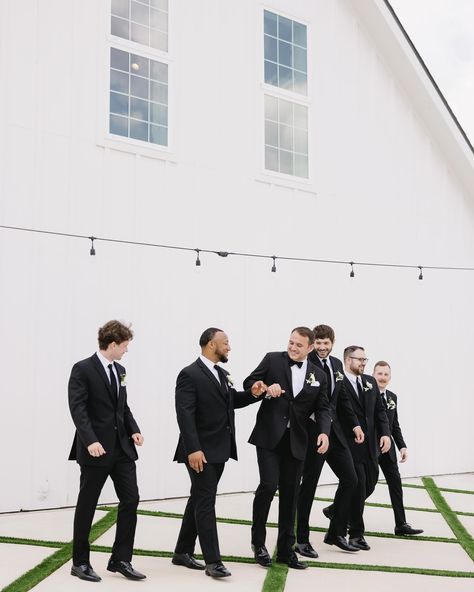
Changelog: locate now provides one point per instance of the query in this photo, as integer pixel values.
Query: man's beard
(223, 358)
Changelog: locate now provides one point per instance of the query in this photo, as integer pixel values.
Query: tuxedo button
(228, 428)
(115, 427)
(285, 417)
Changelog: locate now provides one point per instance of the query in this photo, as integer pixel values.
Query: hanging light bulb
(92, 251)
(274, 265)
(352, 274)
(198, 261)
(420, 277)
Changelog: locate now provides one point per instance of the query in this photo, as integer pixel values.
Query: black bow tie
(293, 362)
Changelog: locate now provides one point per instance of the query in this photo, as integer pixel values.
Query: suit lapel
(211, 377)
(101, 370)
(353, 392)
(289, 379)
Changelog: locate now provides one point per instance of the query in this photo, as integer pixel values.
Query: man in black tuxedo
(104, 444)
(367, 405)
(205, 402)
(297, 389)
(388, 461)
(338, 457)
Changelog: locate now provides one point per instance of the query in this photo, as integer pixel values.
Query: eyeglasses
(365, 360)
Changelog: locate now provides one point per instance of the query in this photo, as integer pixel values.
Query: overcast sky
(443, 33)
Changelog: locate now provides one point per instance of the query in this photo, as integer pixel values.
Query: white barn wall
(384, 189)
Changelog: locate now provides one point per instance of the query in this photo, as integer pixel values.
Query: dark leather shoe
(292, 561)
(85, 572)
(125, 568)
(406, 529)
(262, 556)
(360, 543)
(340, 541)
(329, 512)
(306, 549)
(217, 570)
(188, 560)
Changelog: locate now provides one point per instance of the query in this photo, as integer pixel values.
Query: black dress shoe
(85, 572)
(188, 560)
(406, 529)
(306, 549)
(125, 568)
(292, 561)
(217, 570)
(262, 556)
(340, 541)
(329, 512)
(360, 543)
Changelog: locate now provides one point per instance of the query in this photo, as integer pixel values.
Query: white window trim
(104, 138)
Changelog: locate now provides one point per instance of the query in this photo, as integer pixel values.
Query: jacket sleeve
(241, 398)
(396, 429)
(185, 403)
(78, 395)
(260, 373)
(129, 420)
(321, 409)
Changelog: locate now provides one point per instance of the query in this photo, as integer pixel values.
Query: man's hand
(359, 435)
(322, 443)
(196, 460)
(274, 390)
(137, 438)
(95, 449)
(403, 455)
(385, 443)
(258, 388)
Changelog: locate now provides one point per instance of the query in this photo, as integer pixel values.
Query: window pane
(139, 65)
(286, 137)
(159, 135)
(140, 34)
(270, 23)
(139, 109)
(159, 92)
(118, 104)
(299, 34)
(140, 14)
(120, 8)
(271, 108)
(158, 20)
(118, 125)
(158, 114)
(285, 78)
(284, 28)
(120, 28)
(271, 159)
(139, 87)
(159, 40)
(301, 85)
(270, 48)
(301, 117)
(286, 112)
(271, 73)
(159, 71)
(300, 59)
(301, 141)
(271, 133)
(286, 162)
(301, 166)
(161, 4)
(139, 130)
(119, 59)
(284, 54)
(119, 81)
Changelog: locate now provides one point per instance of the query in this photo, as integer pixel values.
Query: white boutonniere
(123, 380)
(391, 404)
(368, 386)
(230, 380)
(338, 376)
(311, 380)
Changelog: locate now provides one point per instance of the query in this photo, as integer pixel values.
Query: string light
(238, 254)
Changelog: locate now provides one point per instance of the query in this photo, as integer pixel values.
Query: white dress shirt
(353, 380)
(105, 363)
(211, 365)
(328, 362)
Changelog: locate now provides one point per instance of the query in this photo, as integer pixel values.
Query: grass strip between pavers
(393, 569)
(275, 579)
(32, 542)
(464, 538)
(381, 505)
(50, 564)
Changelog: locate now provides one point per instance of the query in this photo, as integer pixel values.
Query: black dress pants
(122, 471)
(394, 482)
(199, 517)
(367, 474)
(278, 469)
(340, 460)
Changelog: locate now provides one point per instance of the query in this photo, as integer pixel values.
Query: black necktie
(113, 382)
(220, 373)
(328, 374)
(293, 363)
(359, 391)
(384, 399)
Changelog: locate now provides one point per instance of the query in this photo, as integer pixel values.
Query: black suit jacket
(274, 413)
(372, 419)
(339, 401)
(205, 413)
(395, 430)
(99, 416)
